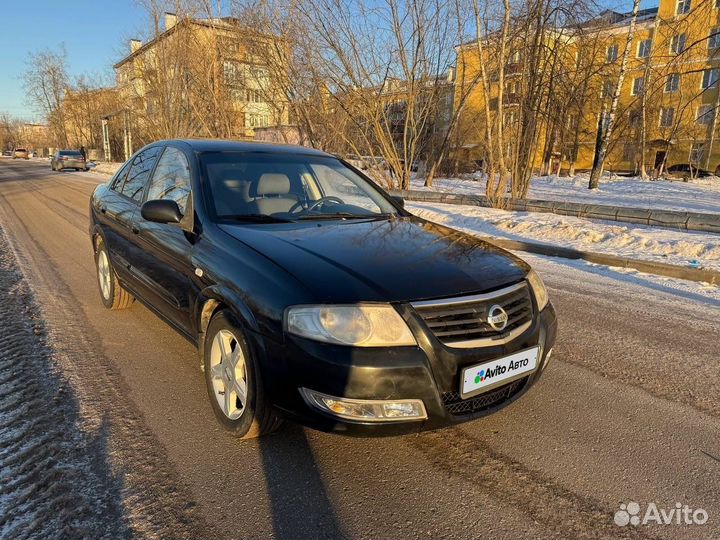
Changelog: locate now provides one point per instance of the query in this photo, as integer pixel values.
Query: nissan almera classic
(314, 296)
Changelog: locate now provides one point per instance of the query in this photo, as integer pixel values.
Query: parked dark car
(686, 171)
(312, 295)
(68, 159)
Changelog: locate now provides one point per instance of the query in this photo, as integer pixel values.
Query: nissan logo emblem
(497, 317)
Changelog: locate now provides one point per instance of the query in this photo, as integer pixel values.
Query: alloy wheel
(228, 374)
(104, 277)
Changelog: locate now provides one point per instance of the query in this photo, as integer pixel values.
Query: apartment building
(667, 103)
(201, 78)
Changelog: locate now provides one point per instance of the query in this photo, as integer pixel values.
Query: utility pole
(106, 139)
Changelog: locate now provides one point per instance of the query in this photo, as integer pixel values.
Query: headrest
(273, 184)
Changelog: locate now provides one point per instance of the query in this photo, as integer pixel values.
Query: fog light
(366, 410)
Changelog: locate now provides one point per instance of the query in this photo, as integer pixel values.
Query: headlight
(359, 326)
(538, 288)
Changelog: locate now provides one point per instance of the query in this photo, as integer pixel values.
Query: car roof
(215, 145)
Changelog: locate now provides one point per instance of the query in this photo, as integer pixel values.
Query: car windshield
(70, 153)
(276, 187)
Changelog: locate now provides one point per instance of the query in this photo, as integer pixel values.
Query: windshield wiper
(343, 215)
(256, 218)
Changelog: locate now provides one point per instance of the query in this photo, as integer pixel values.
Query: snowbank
(700, 195)
(106, 168)
(634, 241)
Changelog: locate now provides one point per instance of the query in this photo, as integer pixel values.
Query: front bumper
(430, 372)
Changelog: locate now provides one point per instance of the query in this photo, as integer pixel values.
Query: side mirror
(161, 211)
(399, 201)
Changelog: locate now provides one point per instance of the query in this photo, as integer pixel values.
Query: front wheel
(233, 381)
(111, 292)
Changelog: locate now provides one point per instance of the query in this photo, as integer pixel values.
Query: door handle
(135, 230)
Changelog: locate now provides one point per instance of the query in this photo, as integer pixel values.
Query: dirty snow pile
(105, 168)
(633, 241)
(699, 195)
(52, 482)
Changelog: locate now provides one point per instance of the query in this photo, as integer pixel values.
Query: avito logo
(499, 370)
(487, 374)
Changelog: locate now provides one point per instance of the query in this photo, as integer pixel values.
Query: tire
(246, 419)
(112, 294)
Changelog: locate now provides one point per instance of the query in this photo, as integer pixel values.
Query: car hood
(400, 259)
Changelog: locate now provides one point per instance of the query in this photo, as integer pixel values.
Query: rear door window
(142, 166)
(119, 179)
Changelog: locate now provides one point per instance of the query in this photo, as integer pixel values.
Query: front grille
(463, 321)
(458, 406)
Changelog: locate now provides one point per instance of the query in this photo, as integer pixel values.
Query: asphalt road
(627, 411)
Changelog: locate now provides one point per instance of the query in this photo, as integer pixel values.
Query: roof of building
(223, 22)
(617, 18)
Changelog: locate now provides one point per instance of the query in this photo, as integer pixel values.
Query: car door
(165, 249)
(114, 214)
(123, 204)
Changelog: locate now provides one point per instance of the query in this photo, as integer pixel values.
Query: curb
(672, 219)
(649, 267)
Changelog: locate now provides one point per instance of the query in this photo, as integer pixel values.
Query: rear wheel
(111, 292)
(233, 381)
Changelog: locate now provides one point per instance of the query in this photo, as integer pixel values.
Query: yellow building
(667, 103)
(200, 77)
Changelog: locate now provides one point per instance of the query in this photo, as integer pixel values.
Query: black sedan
(314, 296)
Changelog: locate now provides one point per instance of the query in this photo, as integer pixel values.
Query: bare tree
(607, 122)
(45, 81)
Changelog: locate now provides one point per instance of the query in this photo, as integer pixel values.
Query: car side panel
(161, 259)
(115, 217)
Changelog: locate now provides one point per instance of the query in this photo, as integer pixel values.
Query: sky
(95, 35)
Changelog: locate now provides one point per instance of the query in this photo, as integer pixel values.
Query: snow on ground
(700, 195)
(106, 168)
(633, 241)
(556, 271)
(53, 481)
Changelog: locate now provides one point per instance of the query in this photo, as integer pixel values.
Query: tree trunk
(606, 128)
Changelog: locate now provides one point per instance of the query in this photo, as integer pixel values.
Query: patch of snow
(106, 168)
(699, 195)
(634, 241)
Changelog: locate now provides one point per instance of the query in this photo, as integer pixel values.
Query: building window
(714, 38)
(612, 53)
(607, 90)
(705, 114)
(231, 72)
(644, 46)
(258, 120)
(672, 83)
(635, 117)
(638, 85)
(697, 152)
(253, 96)
(717, 3)
(677, 44)
(667, 115)
(683, 6)
(710, 78)
(514, 57)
